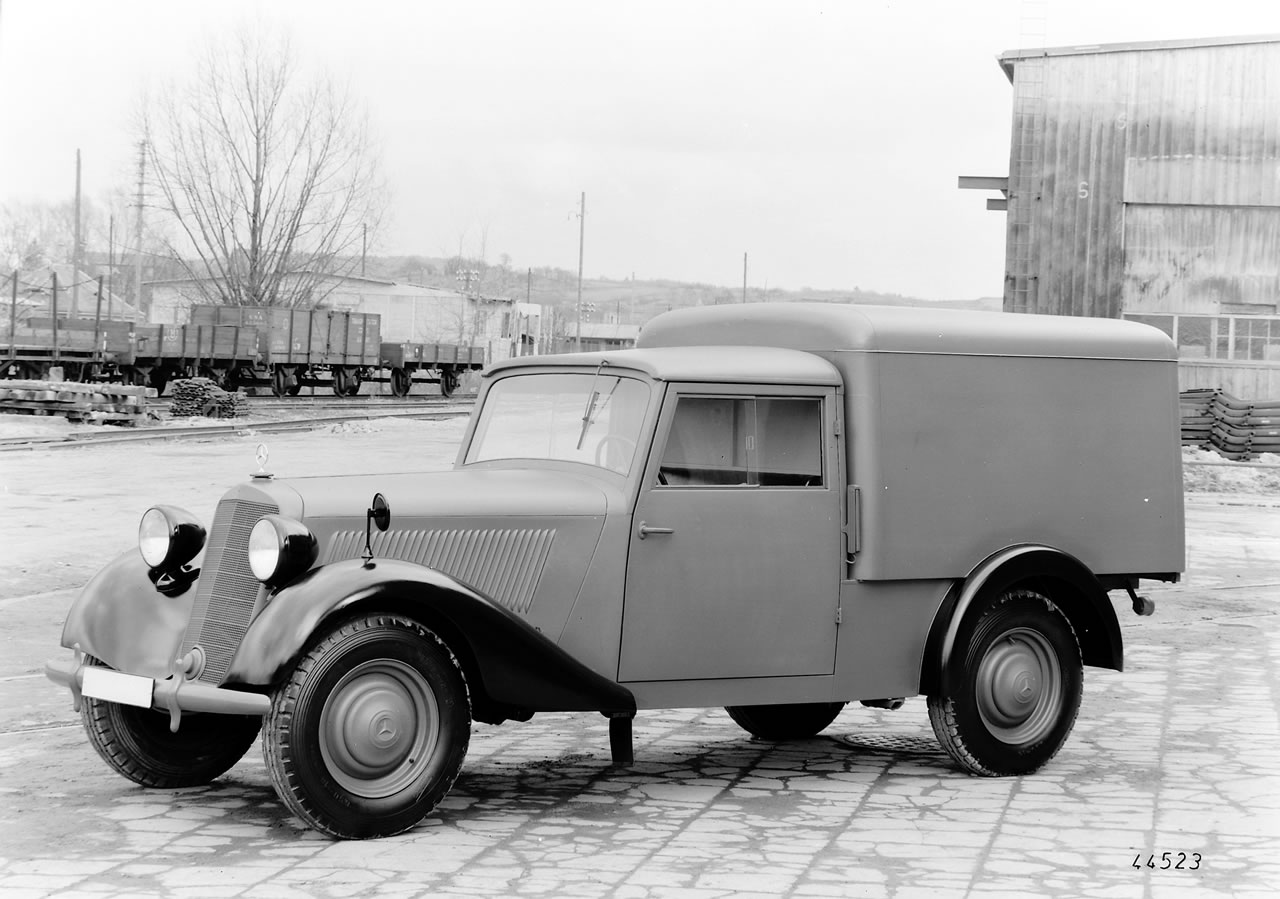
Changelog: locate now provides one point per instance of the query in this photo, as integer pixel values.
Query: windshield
(593, 417)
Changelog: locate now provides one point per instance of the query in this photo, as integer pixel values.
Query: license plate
(128, 689)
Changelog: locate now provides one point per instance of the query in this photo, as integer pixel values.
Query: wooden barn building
(1144, 183)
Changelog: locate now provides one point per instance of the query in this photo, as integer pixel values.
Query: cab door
(736, 547)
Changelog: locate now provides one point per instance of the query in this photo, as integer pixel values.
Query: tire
(338, 381)
(159, 379)
(785, 722)
(1020, 688)
(138, 744)
(370, 730)
(285, 381)
(448, 382)
(401, 382)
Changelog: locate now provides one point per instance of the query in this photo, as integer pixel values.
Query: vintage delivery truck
(777, 509)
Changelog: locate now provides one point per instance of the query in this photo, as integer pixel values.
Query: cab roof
(831, 327)
(718, 364)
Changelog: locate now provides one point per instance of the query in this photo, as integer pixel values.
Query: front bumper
(174, 694)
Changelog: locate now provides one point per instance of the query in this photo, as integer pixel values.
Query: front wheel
(369, 732)
(1019, 689)
(138, 744)
(785, 722)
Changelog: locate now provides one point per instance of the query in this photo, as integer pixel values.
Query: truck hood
(523, 537)
(463, 493)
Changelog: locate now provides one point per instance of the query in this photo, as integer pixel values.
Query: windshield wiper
(589, 412)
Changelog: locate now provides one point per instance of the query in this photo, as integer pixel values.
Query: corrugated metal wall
(1171, 152)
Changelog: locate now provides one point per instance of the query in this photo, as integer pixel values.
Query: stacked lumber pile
(85, 403)
(1237, 429)
(201, 396)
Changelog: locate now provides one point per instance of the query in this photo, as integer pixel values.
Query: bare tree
(36, 234)
(270, 178)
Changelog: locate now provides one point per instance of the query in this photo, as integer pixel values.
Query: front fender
(122, 619)
(518, 666)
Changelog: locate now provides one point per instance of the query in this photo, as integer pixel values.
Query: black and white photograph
(642, 450)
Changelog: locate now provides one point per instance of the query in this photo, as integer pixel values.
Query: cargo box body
(303, 336)
(969, 432)
(191, 343)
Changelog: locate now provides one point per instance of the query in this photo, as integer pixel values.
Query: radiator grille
(502, 563)
(227, 590)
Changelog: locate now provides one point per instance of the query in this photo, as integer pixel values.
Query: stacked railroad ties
(201, 396)
(84, 403)
(1237, 429)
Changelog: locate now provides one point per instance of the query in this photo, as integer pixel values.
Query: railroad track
(279, 404)
(454, 408)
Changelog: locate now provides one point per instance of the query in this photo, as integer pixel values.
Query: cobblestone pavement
(1159, 763)
(1176, 760)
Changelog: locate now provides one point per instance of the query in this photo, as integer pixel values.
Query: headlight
(169, 537)
(280, 549)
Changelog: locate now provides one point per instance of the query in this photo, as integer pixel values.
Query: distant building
(76, 297)
(1143, 184)
(596, 336)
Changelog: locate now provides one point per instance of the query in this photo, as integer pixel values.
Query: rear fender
(1057, 574)
(121, 618)
(517, 666)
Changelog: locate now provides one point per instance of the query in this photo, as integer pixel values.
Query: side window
(708, 443)
(789, 436)
(744, 442)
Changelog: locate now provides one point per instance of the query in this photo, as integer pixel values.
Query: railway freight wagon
(236, 346)
(298, 348)
(30, 349)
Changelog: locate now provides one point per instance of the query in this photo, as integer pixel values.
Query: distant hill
(625, 301)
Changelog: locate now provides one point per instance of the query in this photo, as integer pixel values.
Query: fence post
(13, 321)
(97, 324)
(54, 309)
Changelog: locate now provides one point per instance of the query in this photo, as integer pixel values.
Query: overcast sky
(823, 139)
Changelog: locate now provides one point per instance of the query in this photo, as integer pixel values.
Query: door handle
(645, 530)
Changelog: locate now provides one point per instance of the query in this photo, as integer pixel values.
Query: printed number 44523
(1176, 861)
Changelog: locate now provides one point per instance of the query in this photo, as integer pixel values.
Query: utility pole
(744, 277)
(582, 230)
(111, 259)
(137, 237)
(77, 249)
(364, 247)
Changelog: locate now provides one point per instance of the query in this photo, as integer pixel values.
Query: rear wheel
(138, 744)
(1019, 690)
(785, 722)
(369, 732)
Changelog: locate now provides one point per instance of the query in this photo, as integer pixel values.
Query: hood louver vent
(502, 563)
